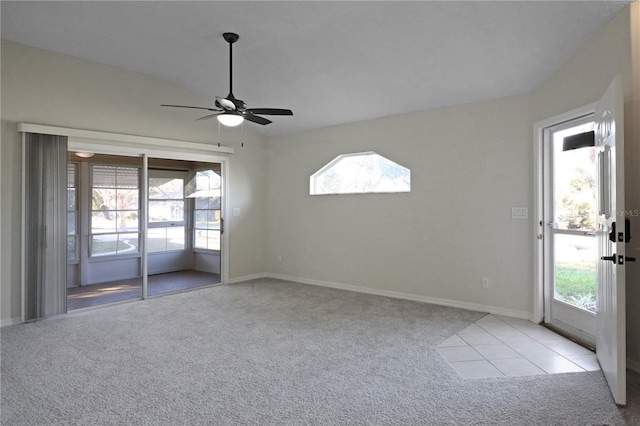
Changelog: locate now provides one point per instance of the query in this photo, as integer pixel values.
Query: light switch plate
(519, 212)
(236, 211)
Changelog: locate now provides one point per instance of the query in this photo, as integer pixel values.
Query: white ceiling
(330, 62)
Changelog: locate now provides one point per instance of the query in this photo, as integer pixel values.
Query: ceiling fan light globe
(85, 154)
(230, 120)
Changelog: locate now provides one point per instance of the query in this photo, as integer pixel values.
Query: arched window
(360, 173)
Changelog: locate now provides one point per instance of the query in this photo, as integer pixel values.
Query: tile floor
(496, 346)
(117, 291)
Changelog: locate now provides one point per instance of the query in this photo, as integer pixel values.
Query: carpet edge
(513, 313)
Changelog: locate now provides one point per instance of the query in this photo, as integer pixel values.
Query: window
(166, 212)
(365, 172)
(205, 189)
(72, 213)
(114, 210)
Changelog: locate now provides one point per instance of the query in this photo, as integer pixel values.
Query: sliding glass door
(114, 202)
(104, 256)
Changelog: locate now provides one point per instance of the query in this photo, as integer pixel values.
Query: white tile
(532, 349)
(500, 351)
(460, 353)
(498, 328)
(542, 334)
(489, 320)
(492, 323)
(511, 336)
(556, 365)
(514, 338)
(479, 339)
(454, 340)
(471, 329)
(517, 367)
(567, 347)
(588, 362)
(516, 322)
(476, 369)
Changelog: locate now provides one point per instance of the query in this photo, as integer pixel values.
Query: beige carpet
(269, 352)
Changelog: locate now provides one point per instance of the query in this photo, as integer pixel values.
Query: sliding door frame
(135, 146)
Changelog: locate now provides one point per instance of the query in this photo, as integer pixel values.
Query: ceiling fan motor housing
(231, 37)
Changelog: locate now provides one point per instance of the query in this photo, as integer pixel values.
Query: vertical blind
(46, 225)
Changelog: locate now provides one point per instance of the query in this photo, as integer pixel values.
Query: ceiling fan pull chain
(219, 139)
(242, 134)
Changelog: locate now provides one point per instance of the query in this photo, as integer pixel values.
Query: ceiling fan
(231, 111)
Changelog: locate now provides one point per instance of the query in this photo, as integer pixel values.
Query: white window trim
(140, 225)
(174, 174)
(312, 179)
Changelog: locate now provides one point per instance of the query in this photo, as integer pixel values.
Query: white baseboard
(246, 278)
(407, 296)
(633, 365)
(10, 321)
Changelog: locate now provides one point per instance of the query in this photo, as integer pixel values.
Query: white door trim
(538, 202)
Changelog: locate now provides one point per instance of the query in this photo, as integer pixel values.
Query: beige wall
(582, 80)
(469, 165)
(48, 88)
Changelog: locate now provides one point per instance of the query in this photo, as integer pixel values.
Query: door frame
(104, 147)
(539, 130)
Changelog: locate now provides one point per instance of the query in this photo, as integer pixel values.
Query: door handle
(618, 259)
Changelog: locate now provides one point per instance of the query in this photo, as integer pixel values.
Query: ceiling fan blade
(192, 107)
(225, 103)
(256, 119)
(206, 117)
(270, 111)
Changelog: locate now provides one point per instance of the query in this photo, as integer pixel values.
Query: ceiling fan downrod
(231, 38)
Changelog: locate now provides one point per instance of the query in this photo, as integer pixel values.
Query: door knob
(612, 258)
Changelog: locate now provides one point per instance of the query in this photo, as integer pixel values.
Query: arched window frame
(315, 189)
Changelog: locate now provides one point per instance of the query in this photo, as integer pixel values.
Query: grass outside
(103, 247)
(576, 285)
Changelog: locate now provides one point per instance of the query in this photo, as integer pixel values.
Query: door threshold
(574, 339)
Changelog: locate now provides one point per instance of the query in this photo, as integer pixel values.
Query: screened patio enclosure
(121, 214)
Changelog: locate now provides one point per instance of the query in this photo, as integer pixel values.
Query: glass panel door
(104, 206)
(184, 224)
(572, 226)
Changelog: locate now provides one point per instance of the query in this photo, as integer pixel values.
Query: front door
(611, 236)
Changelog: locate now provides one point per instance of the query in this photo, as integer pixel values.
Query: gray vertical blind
(46, 225)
